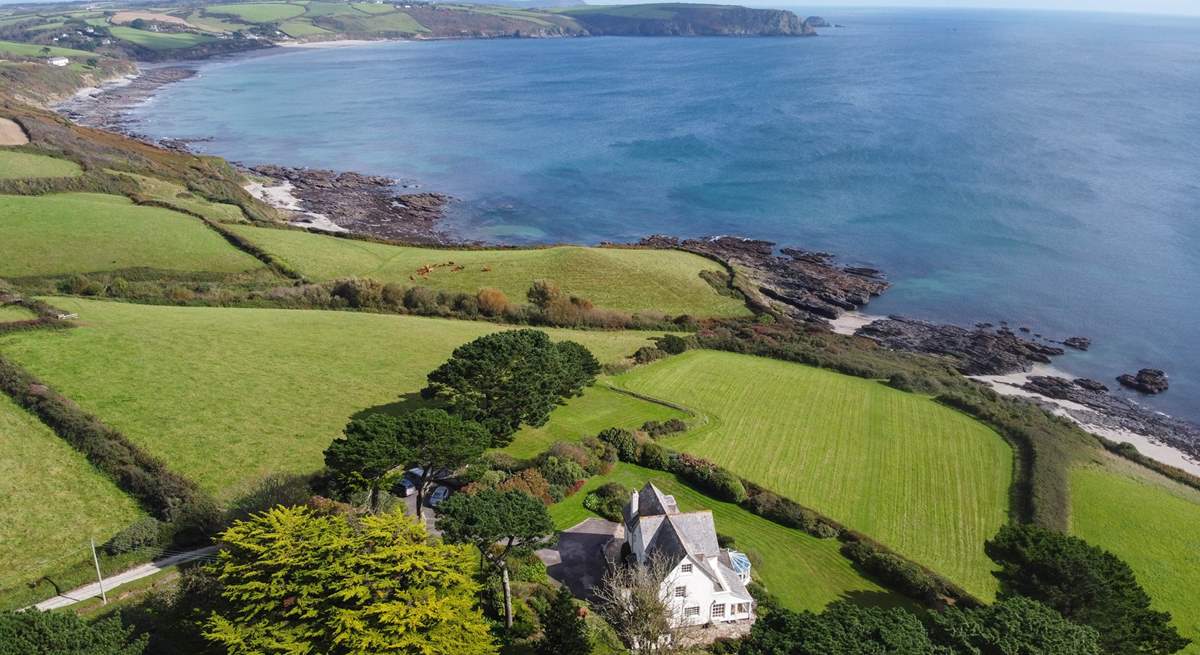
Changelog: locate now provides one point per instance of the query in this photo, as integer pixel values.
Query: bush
(624, 441)
(562, 472)
(393, 295)
(579, 454)
(543, 292)
(785, 511)
(726, 540)
(608, 501)
(421, 300)
(901, 575)
(654, 456)
(672, 344)
(711, 478)
(658, 428)
(532, 482)
(142, 533)
(359, 292)
(492, 302)
(647, 354)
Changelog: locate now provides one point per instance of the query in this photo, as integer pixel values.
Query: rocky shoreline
(803, 285)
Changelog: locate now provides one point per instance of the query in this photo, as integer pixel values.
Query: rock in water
(1078, 343)
(1147, 380)
(1090, 384)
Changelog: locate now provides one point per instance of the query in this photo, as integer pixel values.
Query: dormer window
(685, 568)
(680, 592)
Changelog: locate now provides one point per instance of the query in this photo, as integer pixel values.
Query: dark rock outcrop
(801, 284)
(977, 351)
(1090, 384)
(1106, 410)
(1148, 381)
(365, 204)
(1078, 343)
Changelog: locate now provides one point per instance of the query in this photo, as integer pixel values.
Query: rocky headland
(365, 204)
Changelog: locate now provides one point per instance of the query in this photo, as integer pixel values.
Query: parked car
(406, 487)
(439, 494)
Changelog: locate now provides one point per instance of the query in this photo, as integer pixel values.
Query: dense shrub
(422, 300)
(654, 456)
(360, 293)
(562, 472)
(160, 491)
(492, 302)
(659, 428)
(785, 511)
(893, 571)
(142, 533)
(608, 500)
(532, 482)
(623, 441)
(672, 344)
(647, 354)
(578, 453)
(543, 292)
(711, 478)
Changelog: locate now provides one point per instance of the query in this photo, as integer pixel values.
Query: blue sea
(1040, 168)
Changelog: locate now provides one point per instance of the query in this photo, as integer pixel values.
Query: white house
(58, 61)
(707, 583)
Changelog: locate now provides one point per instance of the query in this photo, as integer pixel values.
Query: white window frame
(681, 591)
(685, 568)
(718, 610)
(689, 612)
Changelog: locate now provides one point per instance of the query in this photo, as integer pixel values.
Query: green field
(159, 40)
(266, 12)
(87, 232)
(299, 27)
(332, 9)
(15, 164)
(395, 22)
(613, 278)
(177, 196)
(371, 8)
(214, 23)
(805, 572)
(35, 50)
(51, 500)
(923, 479)
(227, 396)
(598, 409)
(1154, 525)
(9, 313)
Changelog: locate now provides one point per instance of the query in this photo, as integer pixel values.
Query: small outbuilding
(58, 61)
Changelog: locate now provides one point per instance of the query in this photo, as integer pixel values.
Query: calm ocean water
(1037, 167)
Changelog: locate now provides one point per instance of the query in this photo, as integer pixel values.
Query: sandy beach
(849, 322)
(342, 43)
(280, 196)
(1010, 385)
(11, 134)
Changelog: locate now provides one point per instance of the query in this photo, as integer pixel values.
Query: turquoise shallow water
(1036, 167)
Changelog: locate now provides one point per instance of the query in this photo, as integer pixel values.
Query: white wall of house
(694, 600)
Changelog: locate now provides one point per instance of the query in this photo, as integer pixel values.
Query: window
(686, 568)
(718, 611)
(742, 608)
(680, 592)
(691, 611)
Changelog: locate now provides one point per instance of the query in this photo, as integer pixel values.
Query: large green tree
(368, 457)
(301, 582)
(499, 524)
(63, 633)
(1086, 584)
(564, 632)
(508, 378)
(1016, 626)
(376, 450)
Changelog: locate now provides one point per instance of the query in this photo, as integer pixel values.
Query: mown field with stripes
(927, 481)
(1153, 524)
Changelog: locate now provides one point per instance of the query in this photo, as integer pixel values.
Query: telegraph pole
(99, 578)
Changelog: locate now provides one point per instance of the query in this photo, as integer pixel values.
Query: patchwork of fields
(90, 232)
(927, 481)
(612, 278)
(805, 572)
(51, 500)
(1153, 524)
(228, 396)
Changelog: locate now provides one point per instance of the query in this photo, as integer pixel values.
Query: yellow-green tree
(301, 583)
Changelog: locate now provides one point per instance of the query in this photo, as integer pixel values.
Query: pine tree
(564, 631)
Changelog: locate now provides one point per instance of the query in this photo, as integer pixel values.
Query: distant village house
(58, 61)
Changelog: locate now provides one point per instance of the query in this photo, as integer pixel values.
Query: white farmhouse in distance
(58, 61)
(707, 583)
